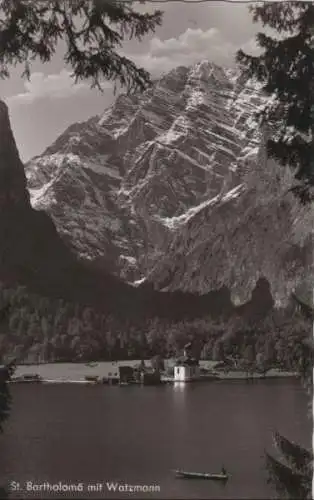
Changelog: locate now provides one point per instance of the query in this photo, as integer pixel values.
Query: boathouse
(150, 378)
(126, 374)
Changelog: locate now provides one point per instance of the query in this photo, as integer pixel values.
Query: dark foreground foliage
(92, 32)
(6, 373)
(285, 68)
(292, 474)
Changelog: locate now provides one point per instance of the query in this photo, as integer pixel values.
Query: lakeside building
(126, 374)
(140, 374)
(150, 378)
(186, 369)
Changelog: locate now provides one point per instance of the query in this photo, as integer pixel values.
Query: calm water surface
(137, 435)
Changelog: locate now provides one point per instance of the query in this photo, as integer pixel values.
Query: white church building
(186, 369)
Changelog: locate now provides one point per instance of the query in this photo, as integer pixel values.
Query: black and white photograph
(156, 249)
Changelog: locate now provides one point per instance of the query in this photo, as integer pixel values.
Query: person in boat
(223, 471)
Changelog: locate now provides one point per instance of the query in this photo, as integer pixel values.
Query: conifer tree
(92, 31)
(285, 68)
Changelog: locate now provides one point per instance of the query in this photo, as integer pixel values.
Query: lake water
(137, 435)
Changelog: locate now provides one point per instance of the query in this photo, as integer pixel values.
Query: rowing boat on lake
(180, 474)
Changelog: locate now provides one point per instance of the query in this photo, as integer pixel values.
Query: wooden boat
(180, 474)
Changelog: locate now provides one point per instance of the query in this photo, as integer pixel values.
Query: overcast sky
(43, 107)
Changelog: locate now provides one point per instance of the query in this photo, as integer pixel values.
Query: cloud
(188, 48)
(161, 56)
(54, 86)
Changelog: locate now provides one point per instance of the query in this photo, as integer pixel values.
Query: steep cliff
(33, 253)
(256, 230)
(28, 238)
(31, 250)
(172, 187)
(110, 181)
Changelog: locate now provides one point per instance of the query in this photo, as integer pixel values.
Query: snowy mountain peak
(131, 185)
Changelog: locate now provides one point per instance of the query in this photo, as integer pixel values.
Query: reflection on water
(179, 397)
(179, 387)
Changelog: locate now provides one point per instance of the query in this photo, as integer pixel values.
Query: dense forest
(39, 329)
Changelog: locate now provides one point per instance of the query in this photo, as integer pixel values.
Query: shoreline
(99, 374)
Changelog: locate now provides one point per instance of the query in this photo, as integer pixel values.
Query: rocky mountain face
(112, 183)
(256, 229)
(33, 253)
(172, 187)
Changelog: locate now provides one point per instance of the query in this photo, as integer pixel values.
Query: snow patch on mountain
(133, 185)
(173, 223)
(117, 183)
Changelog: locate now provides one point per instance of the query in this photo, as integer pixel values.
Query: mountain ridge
(158, 169)
(33, 254)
